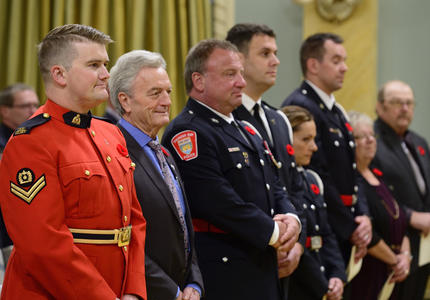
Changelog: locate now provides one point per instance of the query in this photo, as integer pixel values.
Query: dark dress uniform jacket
(334, 162)
(231, 185)
(398, 174)
(165, 264)
(316, 267)
(282, 150)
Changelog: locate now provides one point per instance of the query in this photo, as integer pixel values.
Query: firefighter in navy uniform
(323, 64)
(239, 209)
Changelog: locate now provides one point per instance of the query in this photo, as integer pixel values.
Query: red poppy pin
(122, 150)
(421, 150)
(290, 149)
(348, 126)
(164, 151)
(250, 130)
(377, 172)
(315, 189)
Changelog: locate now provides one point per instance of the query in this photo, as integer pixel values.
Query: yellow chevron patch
(29, 195)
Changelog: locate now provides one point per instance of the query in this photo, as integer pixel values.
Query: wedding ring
(406, 272)
(366, 237)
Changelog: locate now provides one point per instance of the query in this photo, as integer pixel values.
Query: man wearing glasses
(17, 103)
(403, 157)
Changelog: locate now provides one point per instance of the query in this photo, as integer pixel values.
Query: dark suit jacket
(335, 163)
(231, 185)
(398, 174)
(165, 264)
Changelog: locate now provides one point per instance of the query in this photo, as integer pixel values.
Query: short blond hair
(57, 47)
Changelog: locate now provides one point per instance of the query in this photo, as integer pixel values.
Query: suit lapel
(152, 172)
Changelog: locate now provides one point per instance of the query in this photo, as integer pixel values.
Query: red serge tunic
(65, 170)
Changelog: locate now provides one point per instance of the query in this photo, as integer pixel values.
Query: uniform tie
(257, 116)
(155, 146)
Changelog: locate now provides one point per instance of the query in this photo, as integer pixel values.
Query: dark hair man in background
(322, 58)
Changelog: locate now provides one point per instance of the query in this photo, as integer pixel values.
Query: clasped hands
(361, 236)
(288, 250)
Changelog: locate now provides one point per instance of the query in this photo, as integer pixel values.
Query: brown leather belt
(201, 225)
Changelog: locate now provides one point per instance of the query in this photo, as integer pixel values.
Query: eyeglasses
(364, 136)
(397, 103)
(26, 106)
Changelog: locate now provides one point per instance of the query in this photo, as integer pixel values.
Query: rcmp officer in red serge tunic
(68, 197)
(239, 210)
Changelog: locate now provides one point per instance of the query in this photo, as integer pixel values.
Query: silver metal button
(336, 143)
(268, 186)
(312, 207)
(351, 144)
(354, 166)
(317, 227)
(239, 166)
(262, 162)
(225, 259)
(305, 206)
(293, 164)
(322, 268)
(304, 92)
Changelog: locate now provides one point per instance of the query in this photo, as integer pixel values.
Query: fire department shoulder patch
(27, 186)
(185, 144)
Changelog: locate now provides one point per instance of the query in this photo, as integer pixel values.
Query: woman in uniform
(321, 271)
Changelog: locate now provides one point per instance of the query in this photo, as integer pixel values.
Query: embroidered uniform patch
(185, 144)
(27, 186)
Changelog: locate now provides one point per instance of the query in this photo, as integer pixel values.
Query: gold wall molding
(360, 34)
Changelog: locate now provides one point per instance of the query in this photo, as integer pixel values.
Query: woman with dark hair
(321, 271)
(389, 250)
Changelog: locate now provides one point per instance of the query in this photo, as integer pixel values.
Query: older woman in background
(389, 251)
(321, 271)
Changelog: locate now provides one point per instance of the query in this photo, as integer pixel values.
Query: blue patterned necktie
(155, 146)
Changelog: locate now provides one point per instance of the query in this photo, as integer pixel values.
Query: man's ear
(124, 100)
(59, 75)
(312, 65)
(198, 81)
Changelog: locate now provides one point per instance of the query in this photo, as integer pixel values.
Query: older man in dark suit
(403, 156)
(140, 89)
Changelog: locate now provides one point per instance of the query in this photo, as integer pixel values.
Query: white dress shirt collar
(328, 100)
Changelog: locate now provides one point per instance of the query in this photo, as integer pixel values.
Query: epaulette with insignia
(104, 119)
(28, 125)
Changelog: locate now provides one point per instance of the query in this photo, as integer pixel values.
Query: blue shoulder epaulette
(28, 125)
